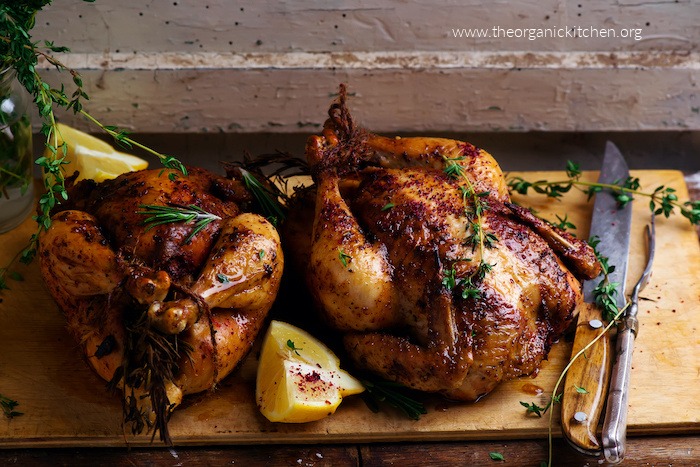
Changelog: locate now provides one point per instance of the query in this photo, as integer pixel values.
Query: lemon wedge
(299, 379)
(92, 157)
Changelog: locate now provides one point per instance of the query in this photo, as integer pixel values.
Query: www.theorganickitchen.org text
(532, 34)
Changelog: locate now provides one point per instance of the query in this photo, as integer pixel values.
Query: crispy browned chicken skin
(106, 269)
(391, 225)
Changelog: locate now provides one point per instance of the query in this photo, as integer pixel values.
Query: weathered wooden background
(196, 66)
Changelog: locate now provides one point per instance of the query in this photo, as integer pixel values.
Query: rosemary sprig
(475, 204)
(393, 394)
(8, 407)
(265, 198)
(662, 200)
(151, 360)
(159, 215)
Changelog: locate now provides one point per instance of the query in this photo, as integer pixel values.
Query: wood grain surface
(65, 404)
(678, 451)
(237, 67)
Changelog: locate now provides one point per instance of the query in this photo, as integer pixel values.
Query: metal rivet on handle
(580, 417)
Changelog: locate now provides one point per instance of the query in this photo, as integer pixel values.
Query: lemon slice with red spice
(299, 379)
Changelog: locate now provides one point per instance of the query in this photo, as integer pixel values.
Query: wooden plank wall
(263, 66)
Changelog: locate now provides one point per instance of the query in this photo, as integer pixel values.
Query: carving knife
(588, 377)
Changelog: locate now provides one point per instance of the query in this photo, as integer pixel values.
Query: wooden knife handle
(581, 408)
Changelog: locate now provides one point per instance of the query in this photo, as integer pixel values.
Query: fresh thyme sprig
(160, 215)
(14, 275)
(469, 289)
(8, 407)
(539, 411)
(564, 223)
(663, 200)
(9, 272)
(475, 204)
(121, 136)
(17, 50)
(393, 394)
(606, 291)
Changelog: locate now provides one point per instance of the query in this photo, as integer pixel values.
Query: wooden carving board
(65, 404)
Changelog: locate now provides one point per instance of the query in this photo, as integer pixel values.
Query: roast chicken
(392, 263)
(161, 311)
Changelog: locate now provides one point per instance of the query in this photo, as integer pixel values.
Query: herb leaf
(539, 411)
(267, 200)
(222, 278)
(290, 344)
(344, 258)
(475, 205)
(496, 456)
(662, 200)
(564, 223)
(8, 407)
(395, 395)
(534, 408)
(14, 275)
(605, 292)
(159, 215)
(573, 170)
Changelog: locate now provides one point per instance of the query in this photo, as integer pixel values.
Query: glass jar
(16, 158)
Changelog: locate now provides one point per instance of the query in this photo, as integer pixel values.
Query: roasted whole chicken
(165, 310)
(418, 257)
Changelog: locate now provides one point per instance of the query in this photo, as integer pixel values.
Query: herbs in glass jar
(21, 53)
(16, 161)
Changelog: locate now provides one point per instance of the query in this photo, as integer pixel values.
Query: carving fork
(615, 424)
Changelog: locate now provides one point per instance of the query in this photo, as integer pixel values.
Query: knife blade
(588, 377)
